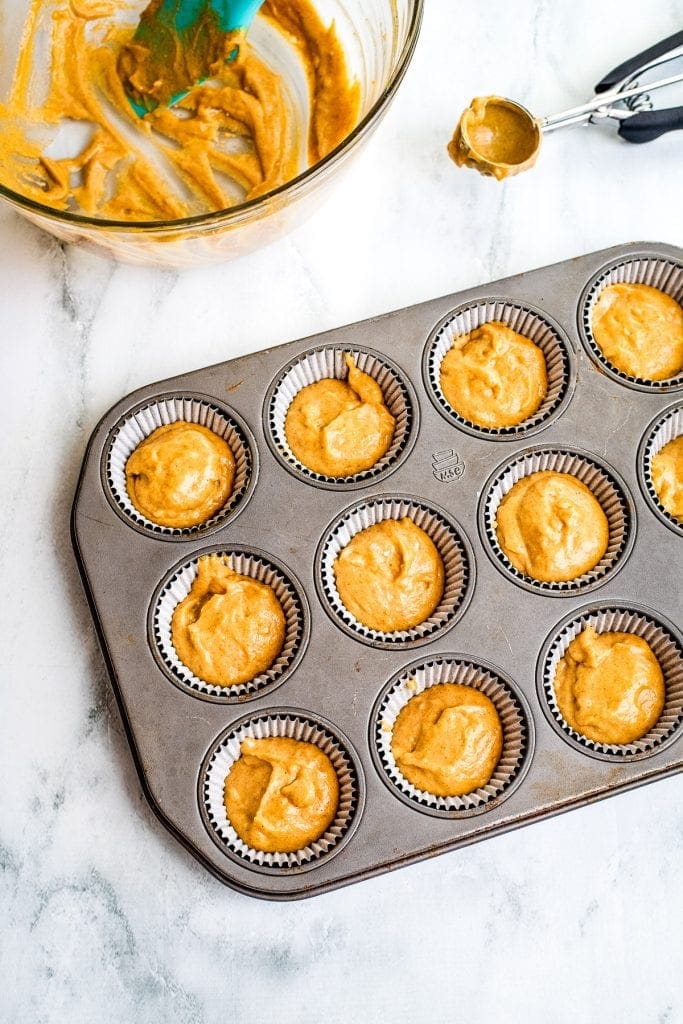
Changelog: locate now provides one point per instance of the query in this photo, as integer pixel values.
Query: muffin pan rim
(511, 688)
(574, 781)
(565, 731)
(669, 385)
(147, 528)
(518, 432)
(263, 689)
(643, 468)
(368, 477)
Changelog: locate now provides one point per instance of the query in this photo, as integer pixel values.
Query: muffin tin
(339, 684)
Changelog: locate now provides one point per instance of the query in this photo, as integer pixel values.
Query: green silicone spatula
(179, 44)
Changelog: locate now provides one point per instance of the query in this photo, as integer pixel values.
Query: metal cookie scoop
(500, 137)
(178, 44)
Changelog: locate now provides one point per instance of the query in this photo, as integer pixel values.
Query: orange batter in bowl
(390, 576)
(609, 686)
(180, 475)
(281, 794)
(340, 427)
(230, 628)
(448, 740)
(494, 377)
(639, 329)
(552, 527)
(666, 469)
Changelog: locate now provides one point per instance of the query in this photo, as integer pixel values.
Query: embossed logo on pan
(447, 465)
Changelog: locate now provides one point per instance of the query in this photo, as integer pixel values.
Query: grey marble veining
(104, 917)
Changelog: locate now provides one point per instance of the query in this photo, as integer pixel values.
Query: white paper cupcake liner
(667, 426)
(135, 426)
(667, 647)
(559, 356)
(664, 274)
(449, 540)
(259, 566)
(516, 720)
(320, 364)
(299, 726)
(607, 487)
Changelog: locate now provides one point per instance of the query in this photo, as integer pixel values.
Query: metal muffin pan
(337, 679)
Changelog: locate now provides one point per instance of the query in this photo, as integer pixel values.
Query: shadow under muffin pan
(335, 680)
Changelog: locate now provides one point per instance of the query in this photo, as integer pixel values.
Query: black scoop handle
(650, 124)
(629, 67)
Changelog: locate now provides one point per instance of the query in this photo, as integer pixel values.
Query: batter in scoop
(390, 576)
(180, 475)
(494, 377)
(639, 329)
(230, 628)
(448, 740)
(609, 686)
(496, 137)
(552, 527)
(340, 427)
(667, 476)
(281, 794)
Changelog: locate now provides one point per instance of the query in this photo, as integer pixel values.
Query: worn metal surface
(171, 730)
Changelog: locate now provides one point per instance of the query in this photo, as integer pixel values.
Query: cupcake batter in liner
(328, 362)
(512, 708)
(667, 426)
(135, 426)
(664, 274)
(667, 646)
(607, 487)
(259, 566)
(449, 540)
(299, 726)
(558, 351)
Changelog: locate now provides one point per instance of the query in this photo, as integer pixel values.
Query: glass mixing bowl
(379, 38)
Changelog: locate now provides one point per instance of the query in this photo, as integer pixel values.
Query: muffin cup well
(607, 487)
(667, 426)
(667, 646)
(298, 725)
(260, 566)
(326, 362)
(449, 540)
(560, 360)
(515, 717)
(662, 273)
(142, 421)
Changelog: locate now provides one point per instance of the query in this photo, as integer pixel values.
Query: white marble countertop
(104, 916)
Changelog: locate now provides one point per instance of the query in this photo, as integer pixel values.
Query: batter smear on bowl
(231, 139)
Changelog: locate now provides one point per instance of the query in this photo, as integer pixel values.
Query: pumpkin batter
(338, 428)
(639, 329)
(180, 475)
(496, 137)
(230, 628)
(666, 469)
(552, 527)
(609, 686)
(390, 576)
(493, 376)
(281, 794)
(448, 740)
(231, 139)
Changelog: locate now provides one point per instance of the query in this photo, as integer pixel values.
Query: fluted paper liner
(321, 364)
(296, 726)
(559, 360)
(259, 567)
(666, 647)
(666, 427)
(136, 426)
(516, 723)
(605, 485)
(664, 274)
(450, 542)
